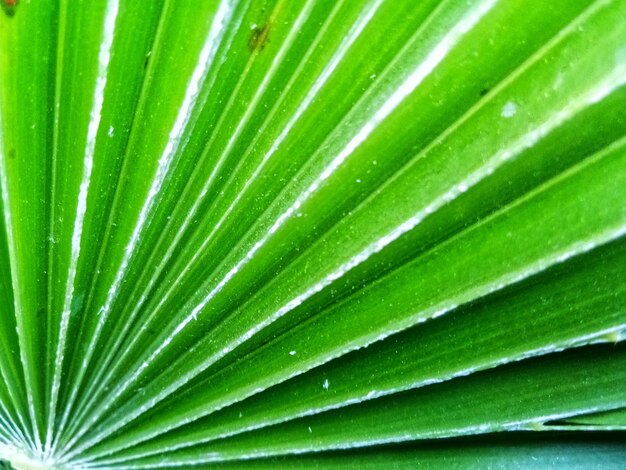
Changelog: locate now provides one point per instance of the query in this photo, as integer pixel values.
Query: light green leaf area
(353, 233)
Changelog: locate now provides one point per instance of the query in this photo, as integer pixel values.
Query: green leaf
(613, 419)
(355, 323)
(27, 97)
(343, 249)
(518, 451)
(234, 229)
(96, 99)
(508, 326)
(521, 397)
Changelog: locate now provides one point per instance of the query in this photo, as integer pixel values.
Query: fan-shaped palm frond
(313, 233)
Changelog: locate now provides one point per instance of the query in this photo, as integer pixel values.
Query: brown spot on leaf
(9, 6)
(258, 37)
(11, 154)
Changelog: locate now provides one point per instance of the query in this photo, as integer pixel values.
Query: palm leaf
(315, 233)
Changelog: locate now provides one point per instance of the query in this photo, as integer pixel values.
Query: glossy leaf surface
(239, 229)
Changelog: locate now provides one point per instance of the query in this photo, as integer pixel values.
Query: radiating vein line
(15, 280)
(10, 429)
(11, 415)
(56, 131)
(104, 55)
(18, 395)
